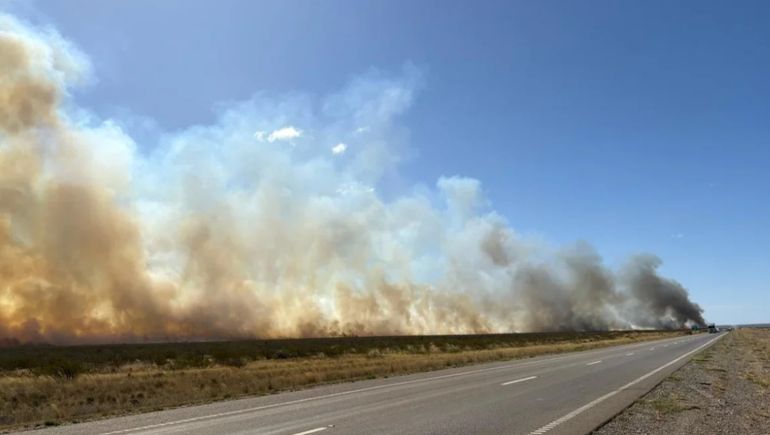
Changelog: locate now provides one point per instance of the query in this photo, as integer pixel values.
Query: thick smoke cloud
(262, 225)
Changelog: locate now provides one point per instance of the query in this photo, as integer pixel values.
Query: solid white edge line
(318, 429)
(345, 393)
(519, 380)
(595, 402)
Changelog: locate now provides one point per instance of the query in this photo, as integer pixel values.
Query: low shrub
(61, 368)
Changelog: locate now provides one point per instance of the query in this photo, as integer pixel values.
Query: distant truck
(713, 328)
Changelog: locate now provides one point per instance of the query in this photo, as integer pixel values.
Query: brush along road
(565, 394)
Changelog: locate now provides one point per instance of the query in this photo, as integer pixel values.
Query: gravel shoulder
(723, 390)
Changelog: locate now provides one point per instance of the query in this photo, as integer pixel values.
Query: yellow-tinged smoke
(254, 228)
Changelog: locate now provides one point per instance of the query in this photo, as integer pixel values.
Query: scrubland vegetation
(52, 384)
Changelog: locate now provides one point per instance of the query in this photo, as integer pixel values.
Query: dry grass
(670, 405)
(757, 354)
(28, 399)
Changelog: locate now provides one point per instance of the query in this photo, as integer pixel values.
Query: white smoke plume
(224, 231)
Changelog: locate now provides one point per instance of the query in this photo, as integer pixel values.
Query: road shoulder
(723, 390)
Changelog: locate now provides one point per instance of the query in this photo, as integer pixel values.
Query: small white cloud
(339, 148)
(354, 188)
(363, 129)
(677, 236)
(285, 133)
(260, 135)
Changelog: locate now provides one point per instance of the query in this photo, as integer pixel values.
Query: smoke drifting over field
(268, 223)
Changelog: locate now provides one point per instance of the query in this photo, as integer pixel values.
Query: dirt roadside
(723, 390)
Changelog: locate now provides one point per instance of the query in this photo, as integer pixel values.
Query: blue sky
(637, 126)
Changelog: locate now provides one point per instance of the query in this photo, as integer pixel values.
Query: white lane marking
(360, 390)
(592, 363)
(595, 402)
(630, 354)
(652, 348)
(519, 380)
(318, 429)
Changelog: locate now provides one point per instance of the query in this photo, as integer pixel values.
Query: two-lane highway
(562, 394)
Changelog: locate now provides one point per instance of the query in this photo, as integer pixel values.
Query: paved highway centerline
(318, 429)
(594, 362)
(519, 380)
(595, 402)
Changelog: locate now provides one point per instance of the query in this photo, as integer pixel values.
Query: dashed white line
(519, 380)
(592, 363)
(630, 354)
(318, 429)
(595, 402)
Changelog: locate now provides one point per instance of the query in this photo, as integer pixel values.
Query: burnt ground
(722, 390)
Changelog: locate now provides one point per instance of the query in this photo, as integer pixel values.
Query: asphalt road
(563, 394)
